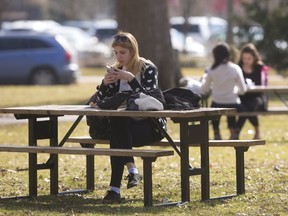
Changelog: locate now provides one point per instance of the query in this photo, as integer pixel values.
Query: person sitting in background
(226, 81)
(255, 73)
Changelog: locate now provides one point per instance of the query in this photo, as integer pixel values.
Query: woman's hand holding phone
(114, 74)
(109, 68)
(109, 76)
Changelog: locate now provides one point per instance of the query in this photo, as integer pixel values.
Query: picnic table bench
(148, 156)
(240, 146)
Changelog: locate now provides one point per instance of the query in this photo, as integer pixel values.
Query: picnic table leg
(47, 129)
(147, 174)
(185, 186)
(240, 169)
(32, 158)
(204, 149)
(281, 98)
(54, 142)
(199, 134)
(90, 168)
(32, 174)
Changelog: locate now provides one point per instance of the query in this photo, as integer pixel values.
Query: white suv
(200, 28)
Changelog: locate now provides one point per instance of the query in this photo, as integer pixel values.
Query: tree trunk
(229, 38)
(148, 22)
(3, 6)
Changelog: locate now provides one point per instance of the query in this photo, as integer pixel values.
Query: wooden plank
(212, 143)
(268, 89)
(270, 111)
(87, 140)
(236, 143)
(86, 151)
(86, 110)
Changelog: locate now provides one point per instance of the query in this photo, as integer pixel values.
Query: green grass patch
(93, 71)
(265, 167)
(19, 95)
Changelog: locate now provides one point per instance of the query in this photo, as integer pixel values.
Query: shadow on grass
(54, 205)
(78, 204)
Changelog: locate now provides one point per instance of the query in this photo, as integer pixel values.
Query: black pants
(231, 120)
(125, 134)
(252, 104)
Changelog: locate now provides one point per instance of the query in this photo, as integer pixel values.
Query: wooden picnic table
(279, 91)
(189, 133)
(268, 89)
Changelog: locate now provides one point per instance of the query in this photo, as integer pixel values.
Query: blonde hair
(128, 41)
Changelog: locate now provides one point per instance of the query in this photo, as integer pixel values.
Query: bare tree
(75, 9)
(187, 6)
(3, 6)
(148, 21)
(229, 37)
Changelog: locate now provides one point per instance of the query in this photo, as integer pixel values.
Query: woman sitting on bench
(223, 78)
(255, 73)
(130, 72)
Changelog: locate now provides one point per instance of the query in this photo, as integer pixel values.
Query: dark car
(36, 58)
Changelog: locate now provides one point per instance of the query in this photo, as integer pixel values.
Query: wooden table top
(267, 89)
(87, 110)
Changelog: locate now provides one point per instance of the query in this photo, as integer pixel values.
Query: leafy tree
(273, 20)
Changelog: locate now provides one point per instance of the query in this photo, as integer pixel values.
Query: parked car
(86, 25)
(89, 50)
(201, 28)
(36, 25)
(103, 29)
(106, 29)
(204, 30)
(36, 58)
(186, 44)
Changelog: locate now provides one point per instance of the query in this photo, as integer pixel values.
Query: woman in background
(226, 81)
(255, 73)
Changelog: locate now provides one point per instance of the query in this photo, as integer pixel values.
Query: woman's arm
(206, 84)
(240, 82)
(108, 87)
(264, 75)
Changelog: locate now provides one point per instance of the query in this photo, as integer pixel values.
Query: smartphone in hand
(109, 68)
